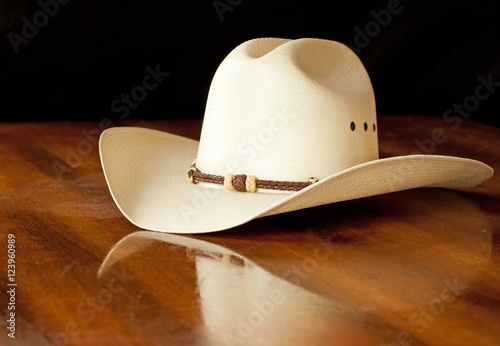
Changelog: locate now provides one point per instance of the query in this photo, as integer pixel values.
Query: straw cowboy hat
(289, 124)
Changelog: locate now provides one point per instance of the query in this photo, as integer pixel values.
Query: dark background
(424, 59)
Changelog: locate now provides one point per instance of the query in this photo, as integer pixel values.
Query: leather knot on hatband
(248, 183)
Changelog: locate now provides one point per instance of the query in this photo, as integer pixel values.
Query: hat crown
(283, 109)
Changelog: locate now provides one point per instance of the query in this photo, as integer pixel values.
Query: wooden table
(419, 267)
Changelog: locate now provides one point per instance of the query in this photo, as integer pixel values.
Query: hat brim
(146, 171)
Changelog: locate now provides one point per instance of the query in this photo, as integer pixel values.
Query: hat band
(248, 183)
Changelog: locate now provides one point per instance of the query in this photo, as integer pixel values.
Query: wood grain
(418, 267)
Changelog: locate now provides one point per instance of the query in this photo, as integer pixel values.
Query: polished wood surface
(419, 267)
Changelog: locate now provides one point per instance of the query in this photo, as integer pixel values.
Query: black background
(424, 60)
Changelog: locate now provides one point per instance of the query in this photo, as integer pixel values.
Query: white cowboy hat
(290, 124)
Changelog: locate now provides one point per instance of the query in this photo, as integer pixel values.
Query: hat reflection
(240, 303)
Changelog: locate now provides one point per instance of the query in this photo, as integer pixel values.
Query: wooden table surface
(419, 267)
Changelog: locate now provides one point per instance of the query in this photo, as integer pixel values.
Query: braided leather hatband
(248, 183)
